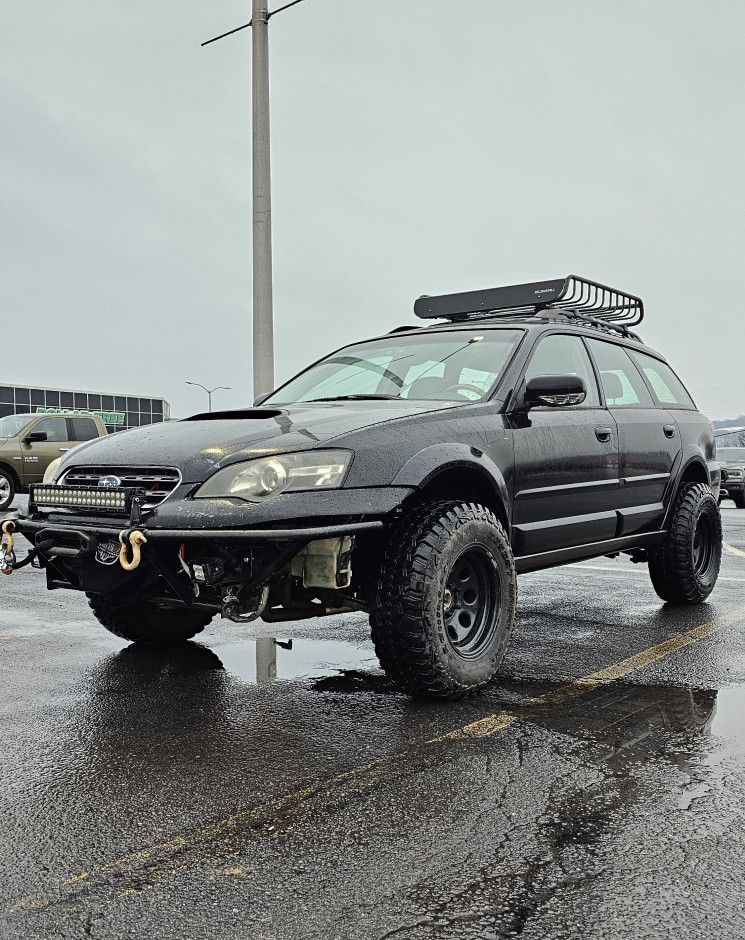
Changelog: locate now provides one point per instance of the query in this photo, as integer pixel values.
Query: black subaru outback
(411, 476)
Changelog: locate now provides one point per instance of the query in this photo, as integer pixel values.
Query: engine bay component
(325, 563)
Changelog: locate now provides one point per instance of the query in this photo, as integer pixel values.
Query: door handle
(603, 434)
(669, 430)
(62, 449)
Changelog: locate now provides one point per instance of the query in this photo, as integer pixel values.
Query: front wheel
(146, 623)
(739, 500)
(444, 604)
(684, 569)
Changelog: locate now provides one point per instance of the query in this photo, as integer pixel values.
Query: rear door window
(623, 386)
(83, 429)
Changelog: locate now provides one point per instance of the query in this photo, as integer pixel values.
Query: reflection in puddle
(727, 729)
(267, 658)
(730, 710)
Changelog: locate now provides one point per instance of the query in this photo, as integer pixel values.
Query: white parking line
(625, 571)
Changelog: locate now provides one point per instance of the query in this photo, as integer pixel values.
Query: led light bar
(108, 499)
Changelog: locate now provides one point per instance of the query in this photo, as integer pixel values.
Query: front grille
(158, 482)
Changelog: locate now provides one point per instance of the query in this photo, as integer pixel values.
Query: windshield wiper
(371, 397)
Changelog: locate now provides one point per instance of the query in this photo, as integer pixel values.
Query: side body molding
(430, 462)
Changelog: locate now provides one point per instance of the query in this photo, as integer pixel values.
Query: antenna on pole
(263, 315)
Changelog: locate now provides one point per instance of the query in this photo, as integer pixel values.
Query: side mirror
(35, 437)
(260, 399)
(555, 390)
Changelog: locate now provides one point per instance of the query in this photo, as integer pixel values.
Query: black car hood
(199, 446)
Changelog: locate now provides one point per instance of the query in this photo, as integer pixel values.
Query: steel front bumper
(32, 529)
(297, 517)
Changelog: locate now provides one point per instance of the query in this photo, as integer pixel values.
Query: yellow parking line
(288, 812)
(735, 551)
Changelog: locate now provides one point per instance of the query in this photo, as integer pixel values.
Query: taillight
(714, 432)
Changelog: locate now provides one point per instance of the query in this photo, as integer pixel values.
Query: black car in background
(732, 459)
(411, 476)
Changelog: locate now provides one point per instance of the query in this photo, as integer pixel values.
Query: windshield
(12, 425)
(731, 453)
(454, 367)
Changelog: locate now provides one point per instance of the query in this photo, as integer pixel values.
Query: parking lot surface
(265, 784)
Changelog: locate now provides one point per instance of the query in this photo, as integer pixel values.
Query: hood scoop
(247, 414)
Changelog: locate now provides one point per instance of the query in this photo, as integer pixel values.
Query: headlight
(258, 480)
(51, 471)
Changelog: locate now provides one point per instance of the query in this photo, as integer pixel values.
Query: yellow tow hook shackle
(134, 541)
(7, 555)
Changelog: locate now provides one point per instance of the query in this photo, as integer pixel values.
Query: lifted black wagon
(411, 476)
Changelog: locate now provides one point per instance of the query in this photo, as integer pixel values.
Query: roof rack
(571, 294)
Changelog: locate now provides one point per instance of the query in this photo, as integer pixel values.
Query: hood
(201, 445)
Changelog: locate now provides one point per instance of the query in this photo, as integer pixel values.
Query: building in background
(119, 412)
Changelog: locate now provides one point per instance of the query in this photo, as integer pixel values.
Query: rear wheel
(445, 600)
(684, 569)
(7, 489)
(146, 623)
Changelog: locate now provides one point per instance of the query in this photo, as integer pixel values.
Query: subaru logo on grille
(110, 481)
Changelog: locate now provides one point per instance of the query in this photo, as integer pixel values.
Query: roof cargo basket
(572, 294)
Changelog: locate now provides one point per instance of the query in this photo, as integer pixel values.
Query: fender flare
(430, 462)
(689, 455)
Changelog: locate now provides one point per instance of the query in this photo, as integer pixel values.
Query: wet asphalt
(269, 782)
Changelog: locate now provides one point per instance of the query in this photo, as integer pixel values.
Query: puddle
(727, 728)
(266, 658)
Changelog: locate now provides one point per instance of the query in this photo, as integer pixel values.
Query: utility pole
(263, 316)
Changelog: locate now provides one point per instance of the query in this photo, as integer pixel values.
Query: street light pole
(263, 316)
(210, 391)
(263, 322)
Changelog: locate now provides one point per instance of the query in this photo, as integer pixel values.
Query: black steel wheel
(470, 603)
(444, 605)
(146, 623)
(684, 569)
(7, 489)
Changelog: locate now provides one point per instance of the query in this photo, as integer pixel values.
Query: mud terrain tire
(685, 567)
(147, 624)
(444, 604)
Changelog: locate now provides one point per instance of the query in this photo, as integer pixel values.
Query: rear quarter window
(666, 385)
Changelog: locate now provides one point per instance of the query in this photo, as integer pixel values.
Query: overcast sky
(418, 146)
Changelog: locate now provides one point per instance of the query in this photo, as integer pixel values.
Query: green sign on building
(109, 417)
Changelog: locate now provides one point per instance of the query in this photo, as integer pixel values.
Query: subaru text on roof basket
(587, 300)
